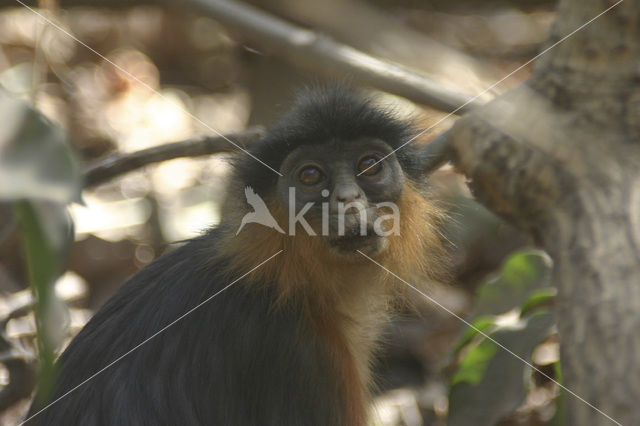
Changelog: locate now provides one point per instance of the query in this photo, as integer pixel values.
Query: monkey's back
(235, 360)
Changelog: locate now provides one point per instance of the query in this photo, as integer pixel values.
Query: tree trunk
(560, 158)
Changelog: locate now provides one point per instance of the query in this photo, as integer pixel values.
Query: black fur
(235, 360)
(227, 363)
(327, 114)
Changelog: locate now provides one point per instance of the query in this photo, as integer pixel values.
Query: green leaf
(482, 323)
(560, 416)
(543, 297)
(35, 160)
(522, 273)
(475, 363)
(499, 385)
(47, 236)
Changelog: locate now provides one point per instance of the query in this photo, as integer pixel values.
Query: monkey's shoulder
(174, 282)
(205, 330)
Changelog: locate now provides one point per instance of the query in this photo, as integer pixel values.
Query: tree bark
(560, 158)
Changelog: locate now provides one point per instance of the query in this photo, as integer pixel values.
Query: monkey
(299, 305)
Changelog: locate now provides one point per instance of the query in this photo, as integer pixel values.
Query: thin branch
(435, 153)
(119, 164)
(319, 52)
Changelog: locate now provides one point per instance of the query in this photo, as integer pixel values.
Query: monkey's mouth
(353, 241)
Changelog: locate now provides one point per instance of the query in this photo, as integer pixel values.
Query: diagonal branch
(118, 164)
(312, 50)
(320, 53)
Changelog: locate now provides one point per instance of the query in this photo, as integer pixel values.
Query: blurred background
(171, 72)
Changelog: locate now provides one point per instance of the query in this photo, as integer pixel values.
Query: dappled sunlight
(481, 344)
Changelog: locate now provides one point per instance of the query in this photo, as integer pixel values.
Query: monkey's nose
(347, 193)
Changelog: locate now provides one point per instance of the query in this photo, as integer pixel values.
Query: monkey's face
(342, 192)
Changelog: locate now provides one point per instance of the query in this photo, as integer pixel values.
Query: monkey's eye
(310, 175)
(369, 165)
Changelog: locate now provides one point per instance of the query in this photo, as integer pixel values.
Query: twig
(118, 164)
(316, 51)
(319, 52)
(435, 153)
